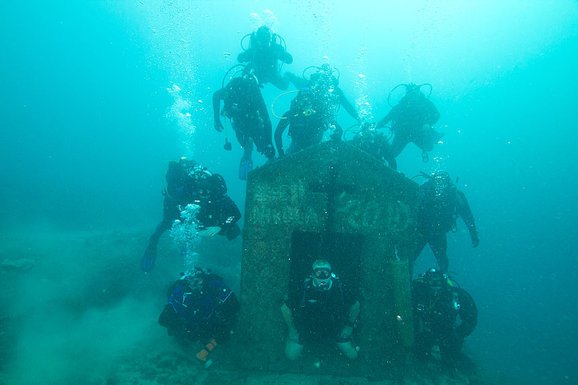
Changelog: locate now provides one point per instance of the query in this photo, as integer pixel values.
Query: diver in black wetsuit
(444, 315)
(313, 111)
(411, 121)
(324, 311)
(263, 56)
(243, 104)
(439, 206)
(190, 183)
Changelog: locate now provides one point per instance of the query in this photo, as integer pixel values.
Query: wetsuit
(200, 309)
(443, 316)
(320, 315)
(244, 105)
(437, 215)
(216, 208)
(411, 121)
(264, 63)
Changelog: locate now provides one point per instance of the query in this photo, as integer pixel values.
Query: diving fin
(148, 259)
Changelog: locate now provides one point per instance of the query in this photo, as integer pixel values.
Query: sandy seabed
(76, 309)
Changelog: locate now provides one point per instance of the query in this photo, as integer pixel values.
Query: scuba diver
(412, 120)
(324, 81)
(200, 308)
(444, 315)
(323, 311)
(440, 203)
(190, 183)
(313, 110)
(263, 55)
(243, 104)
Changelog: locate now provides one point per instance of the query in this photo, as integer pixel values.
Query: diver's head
(435, 279)
(325, 67)
(330, 73)
(199, 173)
(202, 181)
(263, 37)
(195, 278)
(186, 164)
(322, 275)
(248, 75)
(413, 92)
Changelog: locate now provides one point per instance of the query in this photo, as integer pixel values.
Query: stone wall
(330, 191)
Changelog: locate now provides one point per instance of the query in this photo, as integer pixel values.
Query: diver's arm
(224, 215)
(284, 56)
(231, 212)
(297, 81)
(218, 215)
(464, 211)
(347, 105)
(385, 120)
(289, 321)
(347, 330)
(353, 313)
(281, 126)
(217, 97)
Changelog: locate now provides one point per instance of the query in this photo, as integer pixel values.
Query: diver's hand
(475, 239)
(210, 231)
(219, 126)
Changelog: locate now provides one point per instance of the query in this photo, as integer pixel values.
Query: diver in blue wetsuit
(200, 308)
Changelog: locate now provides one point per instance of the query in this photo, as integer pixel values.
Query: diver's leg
(170, 213)
(263, 141)
(297, 81)
(420, 241)
(427, 138)
(439, 244)
(398, 144)
(241, 135)
(450, 350)
(388, 155)
(246, 163)
(424, 342)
